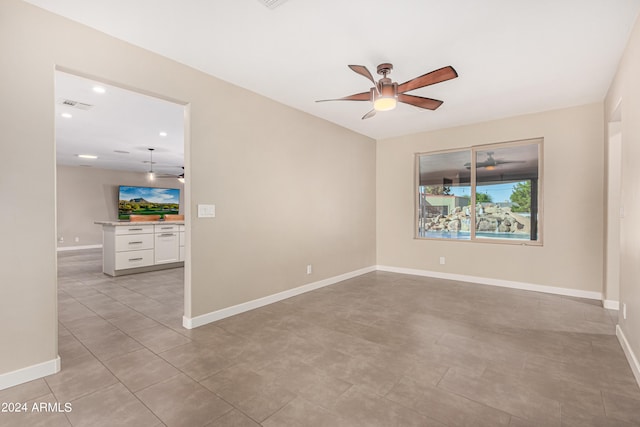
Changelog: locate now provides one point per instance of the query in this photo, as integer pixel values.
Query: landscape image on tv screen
(147, 201)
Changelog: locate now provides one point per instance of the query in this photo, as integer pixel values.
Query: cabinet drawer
(134, 259)
(134, 229)
(134, 242)
(166, 228)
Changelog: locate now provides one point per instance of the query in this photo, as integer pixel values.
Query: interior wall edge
(628, 352)
(495, 282)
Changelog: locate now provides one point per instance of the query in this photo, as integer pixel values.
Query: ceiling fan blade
(437, 76)
(364, 96)
(369, 114)
(504, 162)
(419, 101)
(363, 71)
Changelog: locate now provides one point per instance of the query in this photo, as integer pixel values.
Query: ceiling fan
(385, 94)
(490, 163)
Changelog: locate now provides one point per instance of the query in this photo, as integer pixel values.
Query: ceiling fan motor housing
(384, 69)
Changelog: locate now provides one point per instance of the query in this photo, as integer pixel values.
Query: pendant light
(151, 176)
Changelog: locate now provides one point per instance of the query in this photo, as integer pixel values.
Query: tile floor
(379, 350)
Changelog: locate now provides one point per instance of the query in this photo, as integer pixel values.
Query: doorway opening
(104, 135)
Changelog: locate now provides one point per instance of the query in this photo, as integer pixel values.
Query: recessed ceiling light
(99, 89)
(163, 134)
(66, 115)
(87, 156)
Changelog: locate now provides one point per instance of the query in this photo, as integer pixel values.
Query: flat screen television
(147, 201)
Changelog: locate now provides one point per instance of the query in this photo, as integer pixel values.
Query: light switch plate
(206, 211)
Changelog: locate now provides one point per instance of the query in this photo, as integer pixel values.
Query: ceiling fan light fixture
(387, 98)
(384, 103)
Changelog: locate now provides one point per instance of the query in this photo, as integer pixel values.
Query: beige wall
(289, 189)
(571, 255)
(626, 88)
(86, 195)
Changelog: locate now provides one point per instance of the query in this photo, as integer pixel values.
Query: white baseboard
(628, 351)
(611, 304)
(78, 248)
(29, 373)
(203, 319)
(495, 282)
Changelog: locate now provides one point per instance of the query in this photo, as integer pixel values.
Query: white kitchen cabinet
(167, 245)
(133, 248)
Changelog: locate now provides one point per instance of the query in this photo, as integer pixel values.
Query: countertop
(130, 223)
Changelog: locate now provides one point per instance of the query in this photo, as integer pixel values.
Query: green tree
(521, 197)
(483, 198)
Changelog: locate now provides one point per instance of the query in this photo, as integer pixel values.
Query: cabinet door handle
(166, 228)
(135, 259)
(135, 243)
(166, 234)
(135, 229)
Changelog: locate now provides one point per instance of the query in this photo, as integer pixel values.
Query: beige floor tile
(380, 349)
(110, 345)
(361, 407)
(89, 327)
(182, 402)
(324, 391)
(70, 348)
(133, 322)
(622, 407)
(112, 406)
(27, 391)
(499, 392)
(81, 376)
(196, 360)
(299, 412)
(140, 369)
(236, 383)
(264, 403)
(576, 417)
(159, 338)
(233, 418)
(444, 406)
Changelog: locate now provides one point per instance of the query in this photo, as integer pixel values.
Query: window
(483, 193)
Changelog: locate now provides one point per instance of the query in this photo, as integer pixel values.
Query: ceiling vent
(75, 104)
(272, 4)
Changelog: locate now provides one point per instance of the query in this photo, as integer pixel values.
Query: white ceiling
(513, 57)
(118, 128)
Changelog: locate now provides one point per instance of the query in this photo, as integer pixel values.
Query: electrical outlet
(624, 311)
(442, 260)
(309, 269)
